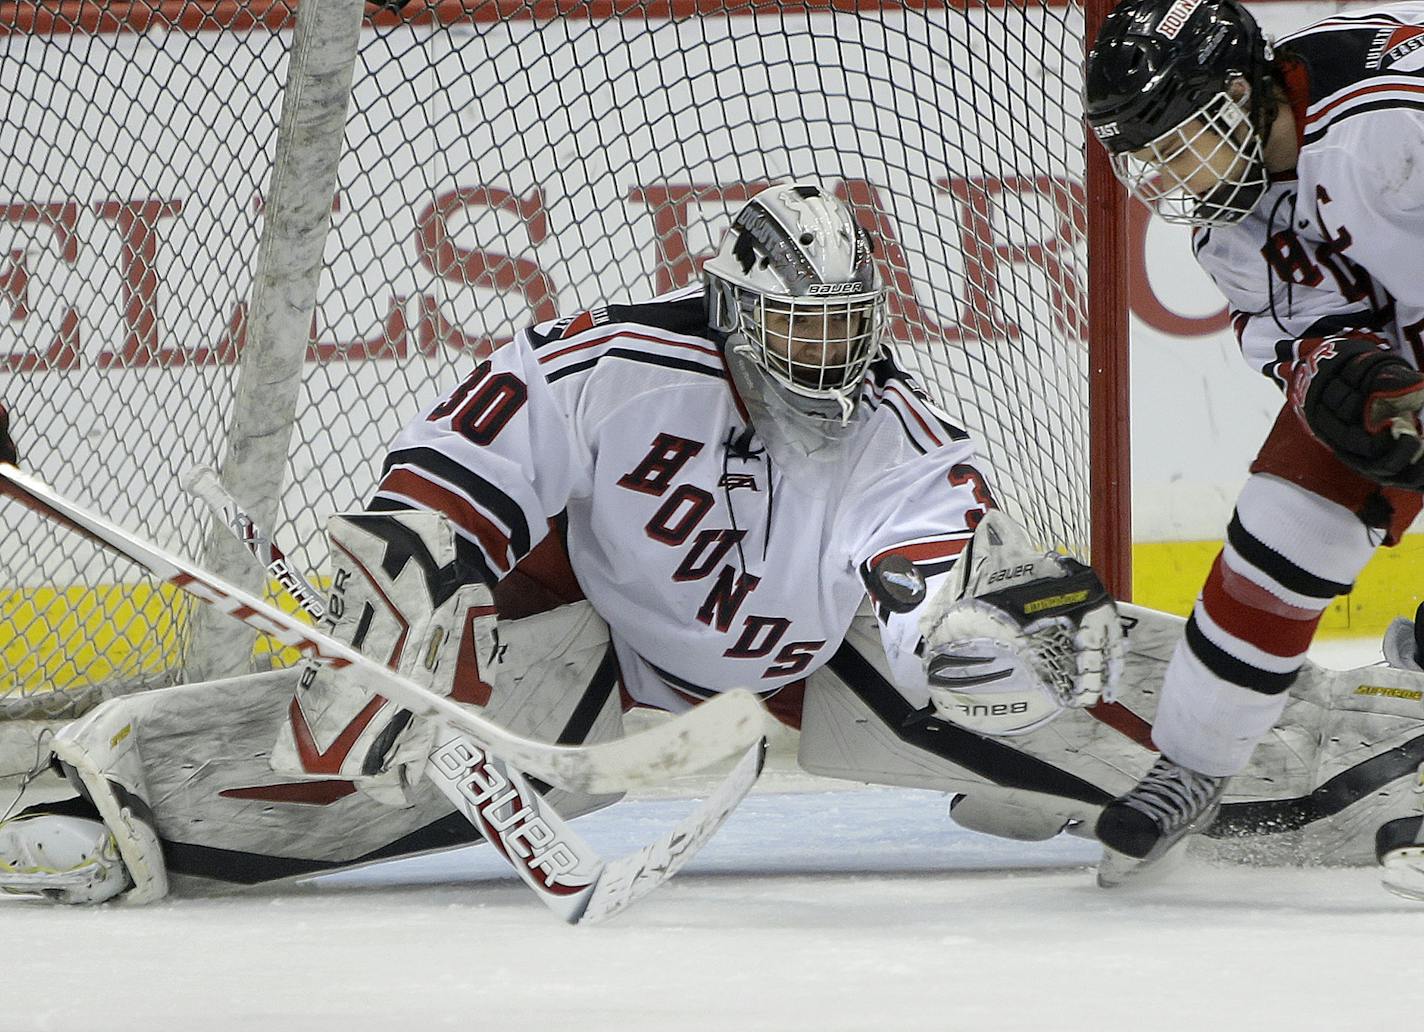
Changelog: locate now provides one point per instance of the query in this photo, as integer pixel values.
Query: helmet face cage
(795, 281)
(1208, 171)
(814, 348)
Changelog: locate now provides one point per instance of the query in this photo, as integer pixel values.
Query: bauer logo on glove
(1017, 636)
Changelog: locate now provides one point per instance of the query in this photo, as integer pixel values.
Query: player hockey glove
(1018, 635)
(8, 452)
(1362, 401)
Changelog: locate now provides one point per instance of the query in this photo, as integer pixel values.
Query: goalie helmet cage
(499, 162)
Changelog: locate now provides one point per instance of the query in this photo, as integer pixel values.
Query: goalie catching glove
(1016, 635)
(1362, 401)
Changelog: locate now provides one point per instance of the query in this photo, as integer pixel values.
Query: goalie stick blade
(713, 731)
(549, 856)
(518, 822)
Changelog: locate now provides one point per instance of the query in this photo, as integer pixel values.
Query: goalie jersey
(713, 566)
(1334, 246)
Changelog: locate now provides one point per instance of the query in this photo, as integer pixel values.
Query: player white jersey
(713, 566)
(1334, 246)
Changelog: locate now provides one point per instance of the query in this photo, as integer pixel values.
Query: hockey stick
(202, 483)
(722, 727)
(553, 860)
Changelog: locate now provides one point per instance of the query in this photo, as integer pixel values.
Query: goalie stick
(723, 727)
(202, 483)
(553, 860)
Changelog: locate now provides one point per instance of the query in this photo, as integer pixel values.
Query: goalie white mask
(796, 290)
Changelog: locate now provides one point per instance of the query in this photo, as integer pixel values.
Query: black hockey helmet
(1156, 63)
(1181, 94)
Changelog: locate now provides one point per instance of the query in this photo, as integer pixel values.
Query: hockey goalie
(649, 505)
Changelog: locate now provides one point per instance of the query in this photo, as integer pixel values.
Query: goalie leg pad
(549, 665)
(857, 725)
(399, 594)
(554, 678)
(1341, 762)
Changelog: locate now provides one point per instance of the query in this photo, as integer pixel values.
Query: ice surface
(850, 909)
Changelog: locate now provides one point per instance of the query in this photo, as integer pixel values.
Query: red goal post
(498, 162)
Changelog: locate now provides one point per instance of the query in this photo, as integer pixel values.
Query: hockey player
(701, 490)
(1298, 165)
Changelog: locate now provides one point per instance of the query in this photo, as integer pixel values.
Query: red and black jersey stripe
(1344, 74)
(925, 426)
(485, 513)
(692, 363)
(683, 312)
(930, 557)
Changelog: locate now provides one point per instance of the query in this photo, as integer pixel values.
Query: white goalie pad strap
(396, 594)
(101, 751)
(1018, 635)
(554, 679)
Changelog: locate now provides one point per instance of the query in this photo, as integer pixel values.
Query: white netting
(498, 167)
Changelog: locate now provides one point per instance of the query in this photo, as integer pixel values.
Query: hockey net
(502, 161)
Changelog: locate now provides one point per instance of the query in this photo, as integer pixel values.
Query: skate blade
(1116, 870)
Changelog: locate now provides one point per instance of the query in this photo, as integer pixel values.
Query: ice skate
(1139, 829)
(1399, 847)
(1403, 643)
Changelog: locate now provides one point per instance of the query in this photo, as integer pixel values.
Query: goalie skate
(1399, 845)
(62, 858)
